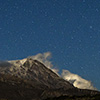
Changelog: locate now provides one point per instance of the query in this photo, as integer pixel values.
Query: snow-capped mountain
(34, 70)
(29, 79)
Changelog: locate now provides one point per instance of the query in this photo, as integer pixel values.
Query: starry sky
(69, 29)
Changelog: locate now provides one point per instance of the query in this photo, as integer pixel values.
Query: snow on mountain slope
(14, 68)
(18, 62)
(20, 69)
(34, 70)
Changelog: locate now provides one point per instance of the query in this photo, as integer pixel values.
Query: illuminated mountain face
(34, 70)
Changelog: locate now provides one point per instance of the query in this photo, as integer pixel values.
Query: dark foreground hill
(85, 97)
(38, 83)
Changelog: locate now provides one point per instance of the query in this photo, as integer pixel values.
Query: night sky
(69, 29)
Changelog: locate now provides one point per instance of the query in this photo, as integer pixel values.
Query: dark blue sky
(69, 29)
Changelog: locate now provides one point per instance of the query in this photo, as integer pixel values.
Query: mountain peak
(31, 75)
(34, 70)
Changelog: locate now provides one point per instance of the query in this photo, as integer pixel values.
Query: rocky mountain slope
(34, 70)
(29, 79)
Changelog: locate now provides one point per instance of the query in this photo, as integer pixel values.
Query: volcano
(29, 79)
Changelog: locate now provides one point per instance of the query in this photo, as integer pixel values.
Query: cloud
(77, 81)
(5, 64)
(43, 58)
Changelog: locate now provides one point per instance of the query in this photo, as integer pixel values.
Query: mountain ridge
(34, 70)
(32, 77)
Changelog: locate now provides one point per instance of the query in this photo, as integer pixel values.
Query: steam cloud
(4, 64)
(75, 79)
(45, 59)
